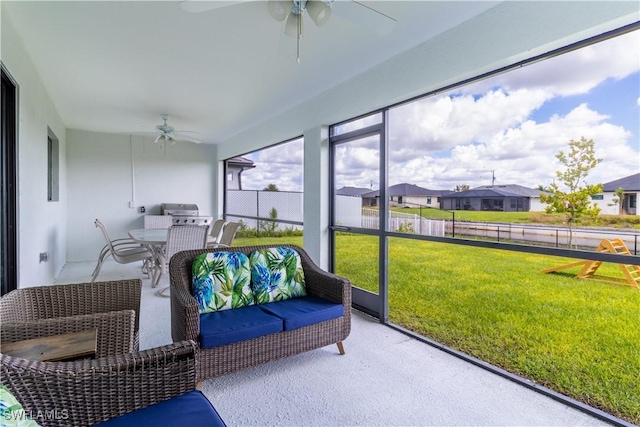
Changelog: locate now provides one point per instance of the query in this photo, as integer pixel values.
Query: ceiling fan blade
(181, 137)
(197, 6)
(364, 16)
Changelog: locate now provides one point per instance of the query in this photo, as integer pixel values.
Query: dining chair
(180, 238)
(228, 234)
(157, 221)
(123, 251)
(216, 231)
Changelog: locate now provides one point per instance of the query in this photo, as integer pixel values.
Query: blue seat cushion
(298, 312)
(189, 409)
(240, 324)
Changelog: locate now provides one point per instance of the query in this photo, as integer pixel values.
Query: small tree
(270, 227)
(461, 187)
(271, 187)
(618, 199)
(574, 200)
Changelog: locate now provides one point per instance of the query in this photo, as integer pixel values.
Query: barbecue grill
(179, 209)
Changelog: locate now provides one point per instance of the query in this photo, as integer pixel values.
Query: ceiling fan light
(279, 9)
(319, 11)
(291, 26)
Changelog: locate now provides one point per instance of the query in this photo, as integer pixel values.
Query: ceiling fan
(318, 10)
(168, 133)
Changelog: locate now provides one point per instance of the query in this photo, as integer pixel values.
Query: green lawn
(578, 337)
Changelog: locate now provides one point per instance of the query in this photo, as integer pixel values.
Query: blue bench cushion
(230, 326)
(189, 409)
(298, 312)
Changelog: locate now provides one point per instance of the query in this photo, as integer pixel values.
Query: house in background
(606, 200)
(407, 196)
(352, 191)
(505, 198)
(235, 167)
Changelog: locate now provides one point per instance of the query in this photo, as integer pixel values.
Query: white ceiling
(116, 66)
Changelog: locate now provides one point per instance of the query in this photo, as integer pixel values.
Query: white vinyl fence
(350, 213)
(404, 223)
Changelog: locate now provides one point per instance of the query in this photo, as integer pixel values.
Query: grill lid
(179, 209)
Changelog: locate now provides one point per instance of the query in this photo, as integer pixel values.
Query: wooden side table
(54, 348)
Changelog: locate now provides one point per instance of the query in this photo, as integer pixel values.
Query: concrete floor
(385, 379)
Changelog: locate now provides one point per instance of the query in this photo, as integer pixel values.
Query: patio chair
(157, 221)
(228, 234)
(181, 238)
(216, 230)
(123, 251)
(150, 387)
(113, 308)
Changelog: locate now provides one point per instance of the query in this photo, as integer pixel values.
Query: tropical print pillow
(221, 281)
(11, 411)
(276, 274)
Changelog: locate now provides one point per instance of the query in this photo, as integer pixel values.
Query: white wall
(606, 205)
(535, 205)
(42, 225)
(101, 184)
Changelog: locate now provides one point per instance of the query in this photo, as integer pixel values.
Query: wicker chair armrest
(324, 284)
(86, 392)
(185, 314)
(116, 332)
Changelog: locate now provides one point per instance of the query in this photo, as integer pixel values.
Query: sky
(508, 128)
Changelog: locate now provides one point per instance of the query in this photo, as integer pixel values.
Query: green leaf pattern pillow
(221, 281)
(11, 411)
(276, 275)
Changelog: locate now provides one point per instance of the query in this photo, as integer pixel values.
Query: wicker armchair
(85, 392)
(212, 362)
(113, 308)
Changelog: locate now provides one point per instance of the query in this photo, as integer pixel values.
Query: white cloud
(490, 127)
(574, 72)
(281, 165)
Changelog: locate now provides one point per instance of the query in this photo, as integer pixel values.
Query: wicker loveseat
(221, 359)
(112, 307)
(153, 387)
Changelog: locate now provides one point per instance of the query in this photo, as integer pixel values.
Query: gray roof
(511, 190)
(352, 191)
(628, 183)
(241, 162)
(405, 189)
